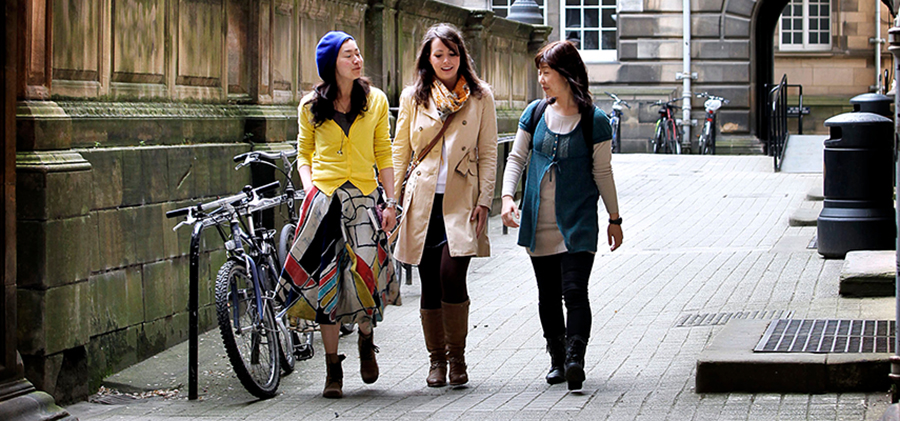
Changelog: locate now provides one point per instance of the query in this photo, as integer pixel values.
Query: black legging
(564, 276)
(443, 276)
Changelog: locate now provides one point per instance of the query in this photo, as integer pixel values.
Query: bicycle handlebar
(707, 95)
(669, 102)
(617, 99)
(255, 155)
(203, 207)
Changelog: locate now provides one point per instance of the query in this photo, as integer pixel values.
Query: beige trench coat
(471, 147)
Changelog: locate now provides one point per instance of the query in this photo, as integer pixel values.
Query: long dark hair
(322, 103)
(563, 57)
(451, 37)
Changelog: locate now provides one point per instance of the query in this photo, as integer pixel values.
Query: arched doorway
(762, 59)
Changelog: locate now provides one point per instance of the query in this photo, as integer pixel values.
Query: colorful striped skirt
(340, 264)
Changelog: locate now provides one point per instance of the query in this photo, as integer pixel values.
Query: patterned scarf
(448, 102)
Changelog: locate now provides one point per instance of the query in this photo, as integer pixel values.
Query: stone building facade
(735, 51)
(129, 108)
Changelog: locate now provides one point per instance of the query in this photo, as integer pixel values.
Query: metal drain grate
(828, 336)
(713, 319)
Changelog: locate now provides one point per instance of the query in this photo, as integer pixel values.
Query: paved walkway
(702, 235)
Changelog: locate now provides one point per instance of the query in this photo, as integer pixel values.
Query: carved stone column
(19, 400)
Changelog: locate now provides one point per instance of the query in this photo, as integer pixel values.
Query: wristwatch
(390, 203)
(617, 221)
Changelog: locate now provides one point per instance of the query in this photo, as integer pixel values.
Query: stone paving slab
(870, 273)
(703, 234)
(804, 154)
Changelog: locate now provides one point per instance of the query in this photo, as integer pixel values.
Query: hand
(614, 235)
(388, 219)
(509, 212)
(480, 214)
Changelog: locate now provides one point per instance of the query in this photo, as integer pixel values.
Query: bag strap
(536, 113)
(587, 123)
(418, 158)
(587, 130)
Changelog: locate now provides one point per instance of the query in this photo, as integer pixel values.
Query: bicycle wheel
(270, 271)
(615, 142)
(251, 342)
(285, 241)
(672, 143)
(659, 140)
(285, 345)
(712, 137)
(704, 140)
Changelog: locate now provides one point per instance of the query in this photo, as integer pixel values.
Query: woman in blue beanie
(340, 260)
(449, 194)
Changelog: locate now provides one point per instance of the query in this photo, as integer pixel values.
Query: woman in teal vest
(568, 172)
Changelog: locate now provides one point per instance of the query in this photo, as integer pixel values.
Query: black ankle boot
(557, 349)
(575, 348)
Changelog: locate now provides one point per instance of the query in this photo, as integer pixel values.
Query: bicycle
(245, 285)
(298, 338)
(615, 121)
(707, 142)
(668, 136)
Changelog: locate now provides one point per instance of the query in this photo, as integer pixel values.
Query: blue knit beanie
(327, 52)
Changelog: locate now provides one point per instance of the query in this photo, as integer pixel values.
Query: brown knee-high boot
(334, 377)
(456, 327)
(433, 327)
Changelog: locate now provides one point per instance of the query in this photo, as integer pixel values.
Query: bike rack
(194, 311)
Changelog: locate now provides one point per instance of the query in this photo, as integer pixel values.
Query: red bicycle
(668, 136)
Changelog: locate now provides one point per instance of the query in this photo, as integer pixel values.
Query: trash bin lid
(859, 130)
(857, 118)
(870, 97)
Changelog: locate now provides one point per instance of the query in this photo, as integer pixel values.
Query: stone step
(869, 274)
(816, 194)
(804, 217)
(729, 364)
(738, 145)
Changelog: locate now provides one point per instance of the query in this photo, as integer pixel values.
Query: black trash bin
(873, 103)
(858, 212)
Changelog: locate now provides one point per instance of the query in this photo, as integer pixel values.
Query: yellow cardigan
(336, 158)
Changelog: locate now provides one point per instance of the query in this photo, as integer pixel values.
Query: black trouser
(443, 276)
(564, 276)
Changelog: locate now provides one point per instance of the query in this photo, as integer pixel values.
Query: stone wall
(130, 108)
(830, 78)
(650, 55)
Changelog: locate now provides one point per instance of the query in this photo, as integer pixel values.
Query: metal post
(686, 73)
(877, 41)
(894, 34)
(193, 312)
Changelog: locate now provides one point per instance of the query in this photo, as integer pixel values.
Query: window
(591, 24)
(501, 8)
(806, 25)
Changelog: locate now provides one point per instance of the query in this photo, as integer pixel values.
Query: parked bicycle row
(668, 135)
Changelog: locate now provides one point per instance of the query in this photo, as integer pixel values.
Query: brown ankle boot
(456, 328)
(368, 367)
(433, 327)
(334, 378)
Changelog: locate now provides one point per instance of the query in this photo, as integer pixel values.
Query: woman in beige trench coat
(448, 195)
